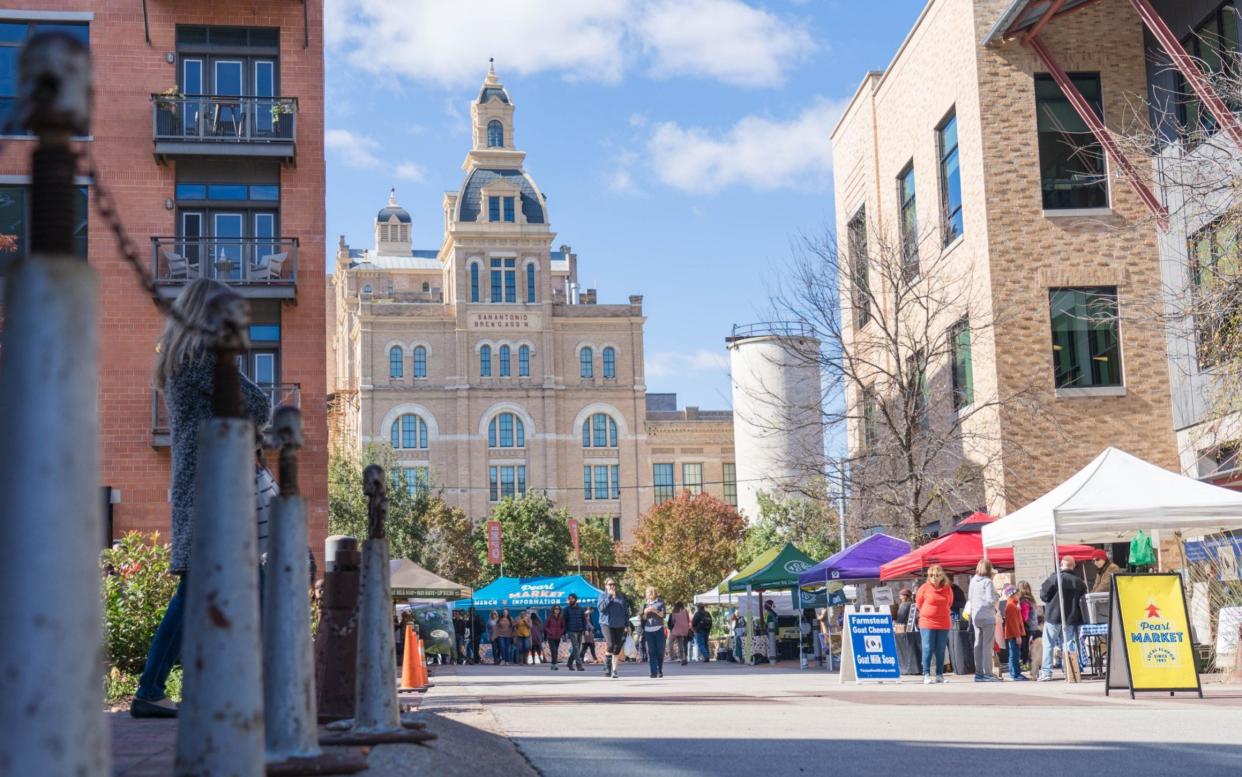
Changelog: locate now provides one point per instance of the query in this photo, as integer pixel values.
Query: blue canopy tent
(537, 592)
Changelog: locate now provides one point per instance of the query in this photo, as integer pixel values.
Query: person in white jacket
(981, 604)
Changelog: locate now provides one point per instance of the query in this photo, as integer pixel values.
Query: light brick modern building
(974, 137)
(208, 129)
(488, 368)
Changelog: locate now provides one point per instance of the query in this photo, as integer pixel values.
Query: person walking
(575, 624)
(553, 630)
(459, 636)
(588, 639)
(1030, 618)
(536, 638)
(981, 602)
(185, 373)
(653, 631)
(613, 618)
(1015, 630)
(521, 638)
(1061, 627)
(504, 633)
(679, 630)
(934, 601)
(702, 625)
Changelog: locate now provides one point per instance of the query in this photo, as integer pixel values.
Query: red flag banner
(495, 554)
(573, 533)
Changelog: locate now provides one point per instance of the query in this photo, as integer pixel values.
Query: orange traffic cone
(409, 661)
(420, 661)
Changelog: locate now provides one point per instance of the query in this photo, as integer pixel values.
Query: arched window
(474, 282)
(367, 289)
(524, 361)
(530, 282)
(495, 134)
(504, 361)
(409, 431)
(420, 362)
(506, 431)
(485, 362)
(599, 431)
(395, 360)
(610, 362)
(586, 363)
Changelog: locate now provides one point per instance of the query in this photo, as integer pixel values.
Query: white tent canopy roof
(1112, 498)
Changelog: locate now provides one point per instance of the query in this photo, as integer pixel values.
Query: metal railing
(259, 261)
(204, 118)
(774, 328)
(281, 394)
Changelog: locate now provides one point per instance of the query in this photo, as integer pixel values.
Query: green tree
(347, 505)
(684, 546)
(448, 547)
(810, 524)
(534, 536)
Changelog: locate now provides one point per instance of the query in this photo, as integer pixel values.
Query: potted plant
(281, 107)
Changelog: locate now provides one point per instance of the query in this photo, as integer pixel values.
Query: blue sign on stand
(872, 648)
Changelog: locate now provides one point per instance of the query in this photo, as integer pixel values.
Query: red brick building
(208, 130)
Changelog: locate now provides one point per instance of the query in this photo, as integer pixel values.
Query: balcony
(161, 435)
(208, 125)
(258, 268)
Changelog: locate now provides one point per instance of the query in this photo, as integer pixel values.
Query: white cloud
(665, 364)
(409, 171)
(601, 40)
(727, 40)
(356, 150)
(637, 120)
(758, 152)
(622, 182)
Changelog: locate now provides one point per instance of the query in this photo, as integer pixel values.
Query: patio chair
(178, 267)
(270, 268)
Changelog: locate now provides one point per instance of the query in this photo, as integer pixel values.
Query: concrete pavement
(723, 719)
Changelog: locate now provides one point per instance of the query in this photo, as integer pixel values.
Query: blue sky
(681, 143)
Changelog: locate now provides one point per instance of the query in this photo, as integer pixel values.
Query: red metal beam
(1189, 69)
(1105, 138)
(1044, 19)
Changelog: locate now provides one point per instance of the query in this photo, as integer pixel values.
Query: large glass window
(395, 360)
(420, 362)
(13, 37)
(493, 209)
(485, 361)
(409, 431)
(15, 221)
(662, 478)
(908, 220)
(692, 478)
(505, 361)
(416, 480)
(506, 431)
(510, 215)
(506, 481)
(599, 431)
(504, 280)
(610, 363)
(860, 284)
(1215, 46)
(1071, 162)
(495, 134)
(530, 282)
(963, 368)
(730, 483)
(1086, 344)
(524, 361)
(1215, 268)
(952, 223)
(474, 281)
(586, 363)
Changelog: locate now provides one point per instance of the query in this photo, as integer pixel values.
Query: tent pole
(827, 620)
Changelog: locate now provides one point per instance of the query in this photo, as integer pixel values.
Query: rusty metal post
(336, 644)
(51, 656)
(220, 722)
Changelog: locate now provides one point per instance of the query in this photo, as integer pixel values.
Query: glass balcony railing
(161, 434)
(199, 124)
(263, 267)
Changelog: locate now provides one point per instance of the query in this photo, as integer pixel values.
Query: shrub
(136, 590)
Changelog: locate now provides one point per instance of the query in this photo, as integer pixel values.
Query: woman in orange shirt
(1015, 630)
(935, 602)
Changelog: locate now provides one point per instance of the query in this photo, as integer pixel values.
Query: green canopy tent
(411, 581)
(776, 569)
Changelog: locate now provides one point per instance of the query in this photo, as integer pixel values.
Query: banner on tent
(1149, 643)
(869, 647)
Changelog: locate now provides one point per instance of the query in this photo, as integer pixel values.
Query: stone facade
(1013, 250)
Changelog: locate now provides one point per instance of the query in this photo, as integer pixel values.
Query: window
(416, 480)
(506, 481)
(870, 418)
(395, 359)
(530, 282)
(420, 362)
(610, 363)
(1214, 266)
(504, 361)
(493, 209)
(1071, 162)
(1214, 45)
(856, 237)
(1086, 344)
(662, 477)
(963, 370)
(495, 134)
(504, 280)
(918, 384)
(616, 481)
(730, 483)
(426, 287)
(13, 37)
(599, 431)
(506, 431)
(692, 478)
(509, 214)
(616, 528)
(524, 361)
(485, 361)
(367, 289)
(950, 179)
(226, 228)
(601, 482)
(586, 363)
(409, 431)
(474, 281)
(908, 221)
(15, 217)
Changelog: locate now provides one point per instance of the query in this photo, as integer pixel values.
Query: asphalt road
(728, 720)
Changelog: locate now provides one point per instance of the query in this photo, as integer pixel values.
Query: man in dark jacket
(1057, 628)
(614, 617)
(575, 625)
(702, 625)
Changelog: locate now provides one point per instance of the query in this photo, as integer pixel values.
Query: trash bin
(962, 651)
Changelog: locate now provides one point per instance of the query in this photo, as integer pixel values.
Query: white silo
(777, 420)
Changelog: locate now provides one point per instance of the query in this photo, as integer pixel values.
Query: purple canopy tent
(860, 561)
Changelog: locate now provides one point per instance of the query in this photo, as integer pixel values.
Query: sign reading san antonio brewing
(1149, 644)
(503, 320)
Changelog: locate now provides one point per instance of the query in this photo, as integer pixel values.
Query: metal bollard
(52, 655)
(220, 724)
(336, 644)
(291, 723)
(377, 714)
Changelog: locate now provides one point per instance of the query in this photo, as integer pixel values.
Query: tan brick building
(208, 129)
(491, 372)
(970, 137)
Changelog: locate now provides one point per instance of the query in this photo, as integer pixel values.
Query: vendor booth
(539, 593)
(411, 581)
(775, 570)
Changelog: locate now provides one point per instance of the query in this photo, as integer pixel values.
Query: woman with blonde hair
(185, 373)
(934, 601)
(981, 603)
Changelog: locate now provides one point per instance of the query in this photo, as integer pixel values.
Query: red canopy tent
(961, 549)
